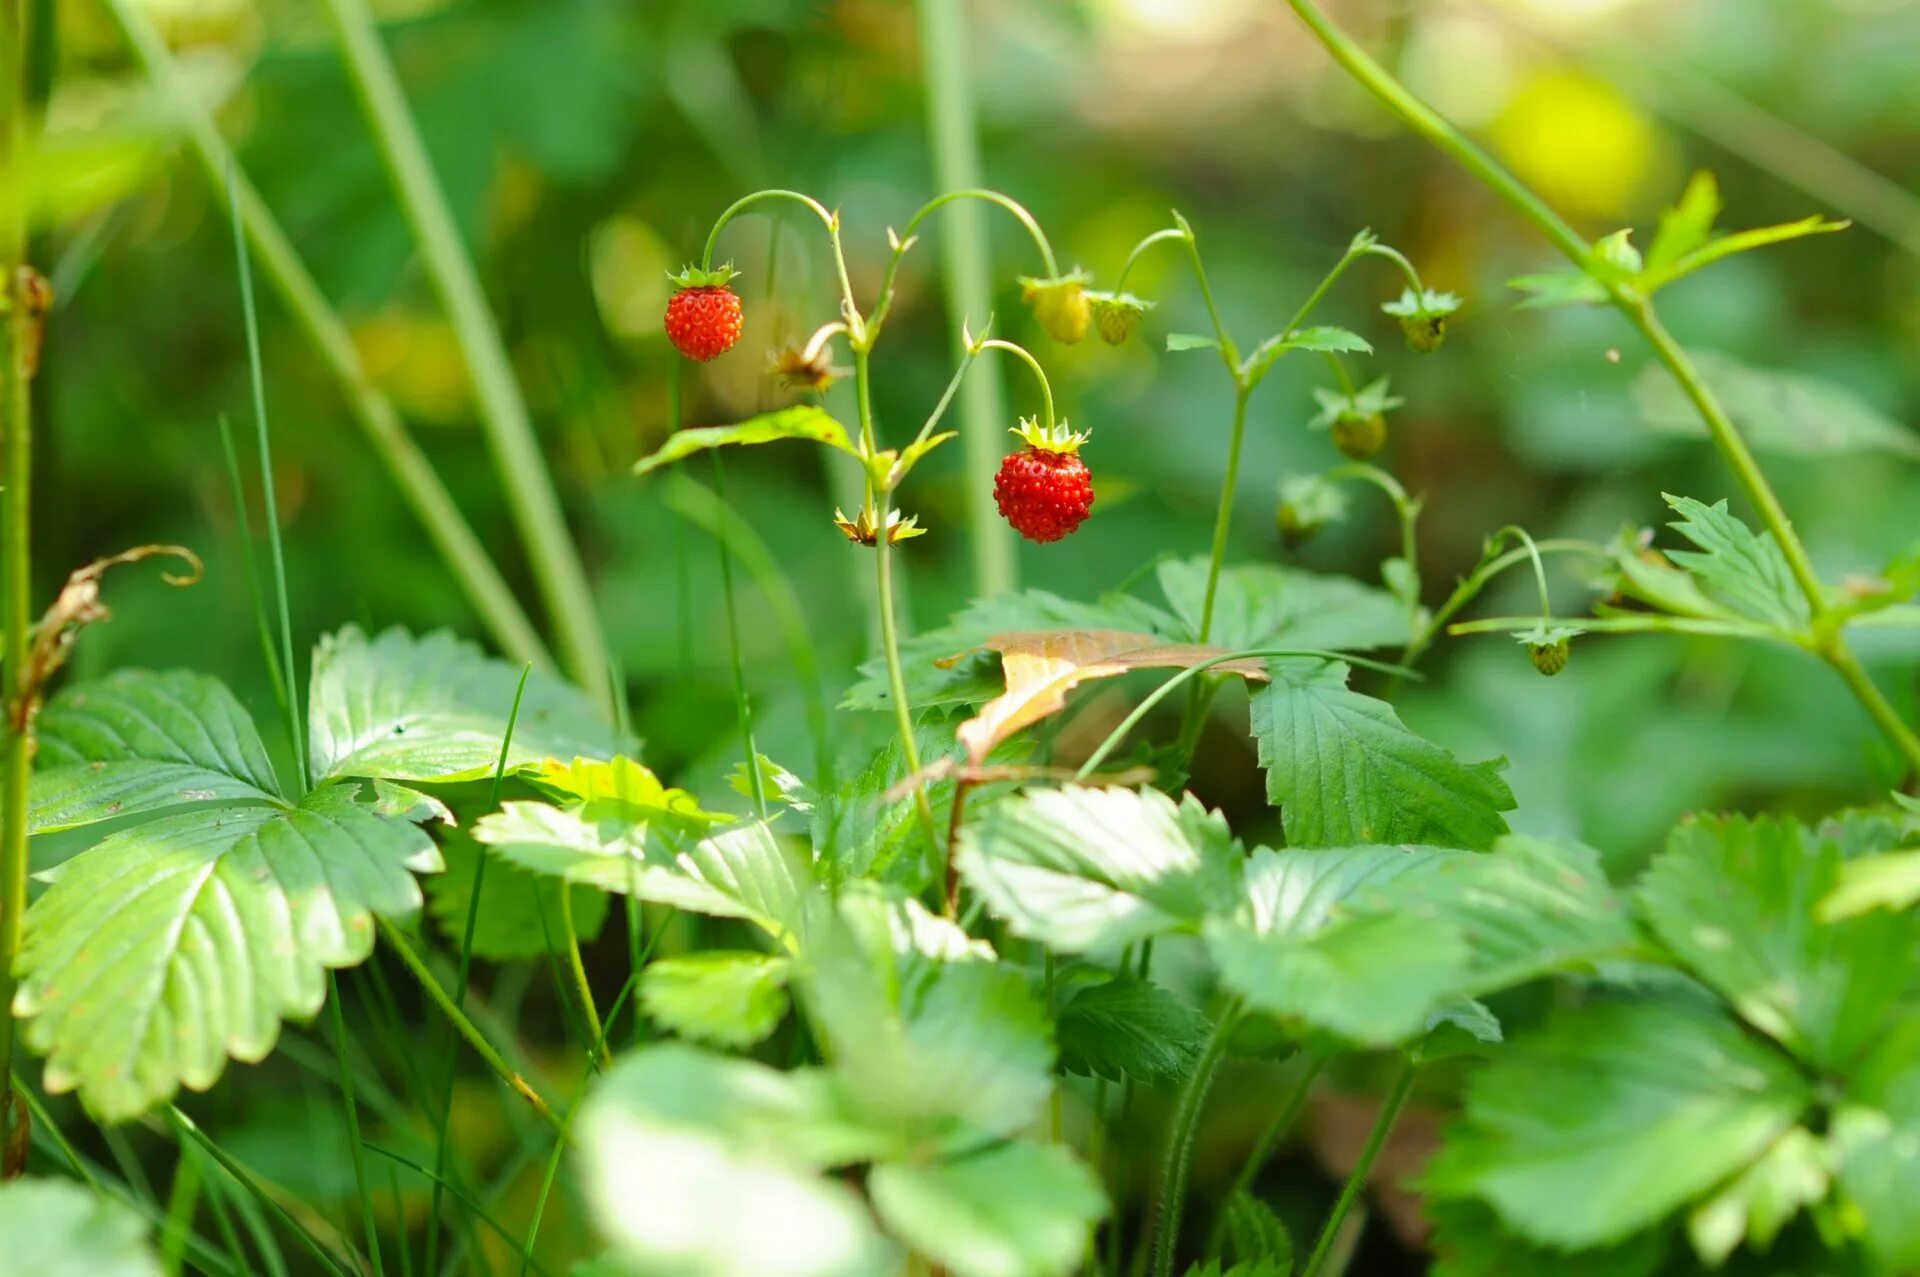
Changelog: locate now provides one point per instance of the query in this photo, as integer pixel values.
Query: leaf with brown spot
(1042, 666)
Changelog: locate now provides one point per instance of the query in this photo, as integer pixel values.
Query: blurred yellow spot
(416, 360)
(628, 262)
(1579, 142)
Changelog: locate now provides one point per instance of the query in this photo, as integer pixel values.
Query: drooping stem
(508, 427)
(1040, 374)
(412, 473)
(1376, 1140)
(1179, 1158)
(1475, 581)
(20, 323)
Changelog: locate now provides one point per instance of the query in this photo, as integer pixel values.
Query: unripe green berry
(1116, 315)
(1550, 658)
(1425, 333)
(1360, 437)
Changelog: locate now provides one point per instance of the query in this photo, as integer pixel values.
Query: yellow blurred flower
(1579, 142)
(416, 359)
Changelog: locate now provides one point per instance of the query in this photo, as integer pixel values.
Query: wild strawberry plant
(959, 1004)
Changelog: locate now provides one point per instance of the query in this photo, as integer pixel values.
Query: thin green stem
(1178, 1164)
(743, 711)
(578, 969)
(970, 353)
(897, 687)
(16, 523)
(1269, 1141)
(1525, 538)
(478, 1211)
(1139, 250)
(1376, 1140)
(276, 554)
(746, 202)
(444, 1112)
(493, 600)
(1229, 353)
(1888, 719)
(244, 526)
(1039, 373)
(353, 1125)
(1223, 520)
(1470, 586)
(403, 947)
(508, 426)
(186, 1127)
(904, 238)
(183, 1200)
(966, 259)
(1160, 693)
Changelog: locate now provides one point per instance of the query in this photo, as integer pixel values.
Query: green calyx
(1549, 646)
(1055, 438)
(1423, 317)
(1116, 315)
(692, 276)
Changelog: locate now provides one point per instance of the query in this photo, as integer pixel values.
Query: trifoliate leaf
(1612, 1118)
(802, 421)
(168, 947)
(729, 999)
(435, 708)
(1737, 901)
(1263, 605)
(1742, 569)
(1082, 869)
(1785, 412)
(1009, 1210)
(520, 915)
(57, 1228)
(703, 1166)
(140, 741)
(1343, 769)
(1129, 1028)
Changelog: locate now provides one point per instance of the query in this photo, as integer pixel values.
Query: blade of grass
(43, 1123)
(966, 262)
(183, 1199)
(741, 708)
(445, 1110)
(243, 526)
(353, 1126)
(557, 570)
(186, 1128)
(453, 1191)
(493, 600)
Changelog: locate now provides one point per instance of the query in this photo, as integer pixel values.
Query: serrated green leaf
(520, 916)
(1612, 1118)
(1737, 901)
(730, 999)
(1082, 869)
(1685, 226)
(1191, 341)
(802, 421)
(1010, 1210)
(139, 741)
(1786, 412)
(1791, 1174)
(1743, 569)
(1255, 1235)
(435, 708)
(1294, 951)
(1344, 770)
(742, 873)
(703, 1166)
(1129, 1028)
(57, 1228)
(1724, 246)
(1463, 1026)
(171, 946)
(1264, 605)
(869, 826)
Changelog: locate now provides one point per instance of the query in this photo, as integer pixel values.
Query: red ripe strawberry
(1045, 490)
(703, 315)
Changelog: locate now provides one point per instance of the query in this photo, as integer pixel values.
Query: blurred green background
(587, 145)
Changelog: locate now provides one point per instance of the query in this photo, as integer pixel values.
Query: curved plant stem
(1376, 1140)
(403, 947)
(557, 570)
(1039, 373)
(16, 523)
(1828, 641)
(414, 475)
(1470, 586)
(1179, 1159)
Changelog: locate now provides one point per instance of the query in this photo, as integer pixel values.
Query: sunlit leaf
(802, 421)
(1009, 1210)
(169, 947)
(139, 741)
(1344, 770)
(1614, 1117)
(59, 1228)
(1083, 869)
(1041, 668)
(1888, 881)
(519, 916)
(1794, 1173)
(727, 998)
(435, 708)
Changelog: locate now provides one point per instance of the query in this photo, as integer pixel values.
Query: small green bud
(1423, 317)
(1549, 646)
(1358, 436)
(1116, 315)
(1307, 504)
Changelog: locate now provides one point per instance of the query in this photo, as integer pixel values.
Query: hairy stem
(1179, 1158)
(1376, 1140)
(517, 460)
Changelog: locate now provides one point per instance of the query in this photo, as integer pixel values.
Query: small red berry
(703, 315)
(1045, 490)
